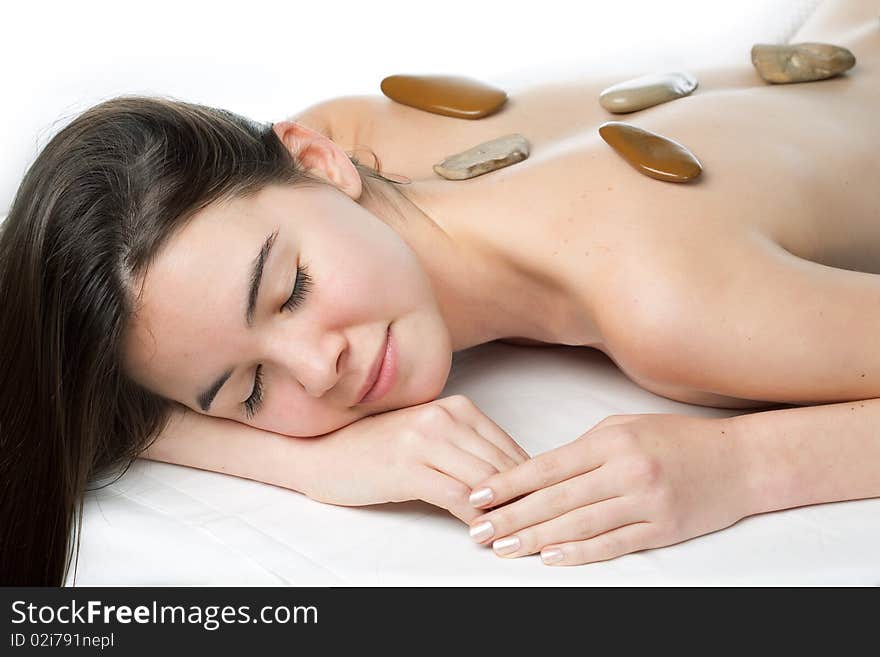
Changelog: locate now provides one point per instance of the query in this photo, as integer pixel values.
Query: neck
(482, 293)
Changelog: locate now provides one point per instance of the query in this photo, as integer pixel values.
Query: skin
(595, 268)
(626, 251)
(189, 324)
(644, 481)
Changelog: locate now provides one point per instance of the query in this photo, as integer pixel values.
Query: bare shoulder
(405, 140)
(327, 116)
(664, 297)
(755, 323)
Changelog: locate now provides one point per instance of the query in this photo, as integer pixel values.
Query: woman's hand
(436, 452)
(632, 482)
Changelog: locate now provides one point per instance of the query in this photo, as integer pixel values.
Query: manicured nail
(551, 555)
(481, 497)
(482, 531)
(506, 545)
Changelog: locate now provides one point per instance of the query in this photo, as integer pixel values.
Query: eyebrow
(206, 398)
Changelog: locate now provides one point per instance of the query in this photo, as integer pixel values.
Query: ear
(320, 156)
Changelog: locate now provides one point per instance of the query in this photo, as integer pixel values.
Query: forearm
(220, 445)
(810, 455)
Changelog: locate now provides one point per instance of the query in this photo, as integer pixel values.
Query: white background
(269, 59)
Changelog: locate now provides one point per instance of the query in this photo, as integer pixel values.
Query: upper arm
(751, 320)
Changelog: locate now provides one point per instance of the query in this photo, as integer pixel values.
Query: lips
(373, 374)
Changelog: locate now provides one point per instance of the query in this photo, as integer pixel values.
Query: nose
(312, 361)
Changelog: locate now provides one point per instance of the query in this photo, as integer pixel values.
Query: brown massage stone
(455, 96)
(650, 153)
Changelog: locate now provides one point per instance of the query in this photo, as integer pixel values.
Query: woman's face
(190, 328)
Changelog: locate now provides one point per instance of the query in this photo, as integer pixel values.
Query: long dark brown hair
(93, 210)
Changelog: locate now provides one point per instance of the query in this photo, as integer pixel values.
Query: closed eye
(253, 403)
(299, 290)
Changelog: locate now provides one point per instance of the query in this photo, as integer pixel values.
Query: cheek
(367, 284)
(292, 413)
(367, 264)
(427, 347)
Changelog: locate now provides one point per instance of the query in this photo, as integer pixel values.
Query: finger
(486, 427)
(439, 489)
(544, 505)
(471, 441)
(458, 463)
(581, 523)
(617, 542)
(570, 460)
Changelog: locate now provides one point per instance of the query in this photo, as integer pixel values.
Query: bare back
(795, 163)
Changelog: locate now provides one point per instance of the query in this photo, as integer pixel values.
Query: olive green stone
(647, 91)
(456, 96)
(483, 158)
(650, 153)
(800, 62)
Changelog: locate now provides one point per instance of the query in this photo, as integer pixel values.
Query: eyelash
(300, 289)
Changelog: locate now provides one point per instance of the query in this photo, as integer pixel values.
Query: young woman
(182, 283)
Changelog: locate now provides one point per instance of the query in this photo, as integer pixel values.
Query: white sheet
(170, 525)
(167, 524)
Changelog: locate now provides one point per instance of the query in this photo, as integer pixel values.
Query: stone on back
(800, 62)
(449, 95)
(483, 158)
(646, 91)
(651, 154)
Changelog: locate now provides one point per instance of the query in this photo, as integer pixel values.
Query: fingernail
(506, 545)
(482, 531)
(551, 555)
(481, 497)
